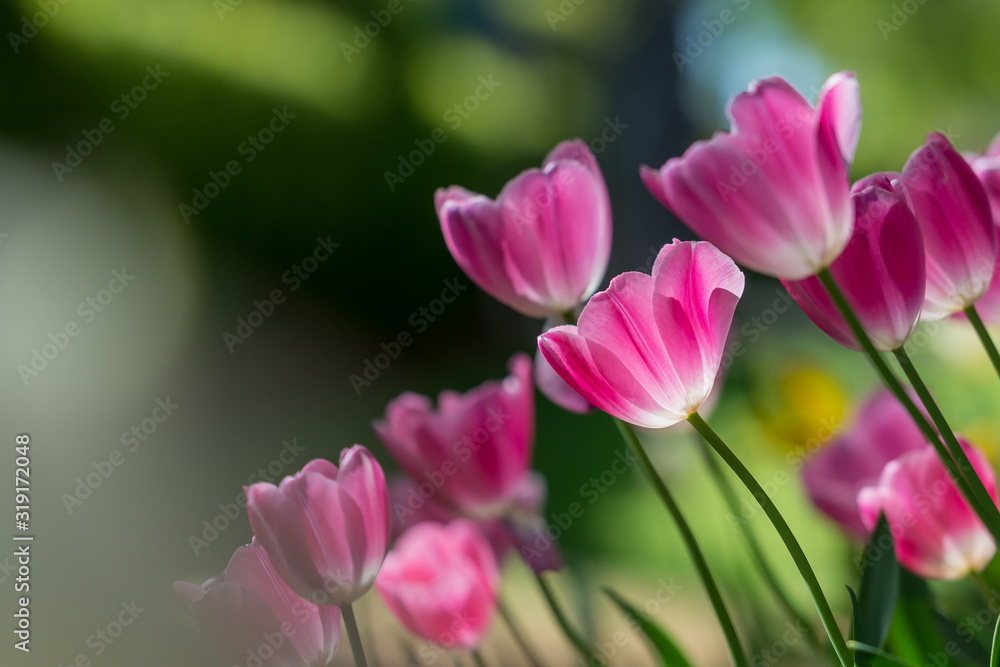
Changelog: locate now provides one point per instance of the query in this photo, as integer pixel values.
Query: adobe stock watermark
(363, 36)
(454, 117)
(901, 13)
(210, 529)
(131, 440)
(769, 655)
(88, 310)
(38, 20)
(566, 9)
(122, 106)
(695, 45)
(420, 319)
(104, 637)
(294, 277)
(248, 149)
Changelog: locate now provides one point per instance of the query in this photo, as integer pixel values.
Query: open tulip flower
(881, 271)
(960, 240)
(774, 192)
(441, 582)
(542, 246)
(258, 618)
(326, 529)
(647, 350)
(936, 534)
(475, 448)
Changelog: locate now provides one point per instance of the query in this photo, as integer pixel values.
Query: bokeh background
(637, 79)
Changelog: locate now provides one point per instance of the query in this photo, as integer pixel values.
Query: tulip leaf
(879, 592)
(658, 638)
(877, 652)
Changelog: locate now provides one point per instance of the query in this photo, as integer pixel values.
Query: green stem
(351, 625)
(478, 659)
(726, 488)
(579, 643)
(701, 565)
(801, 562)
(984, 336)
(518, 635)
(893, 384)
(982, 496)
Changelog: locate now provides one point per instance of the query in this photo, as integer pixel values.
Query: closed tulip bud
(475, 448)
(881, 271)
(648, 349)
(773, 193)
(987, 168)
(258, 619)
(441, 582)
(325, 529)
(960, 241)
(935, 532)
(543, 245)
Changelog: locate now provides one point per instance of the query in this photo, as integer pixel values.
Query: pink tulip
(326, 530)
(441, 582)
(521, 531)
(475, 448)
(258, 618)
(551, 385)
(647, 349)
(774, 192)
(542, 246)
(987, 168)
(936, 534)
(833, 476)
(960, 241)
(881, 271)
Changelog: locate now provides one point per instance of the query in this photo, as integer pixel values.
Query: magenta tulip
(987, 168)
(326, 530)
(935, 532)
(774, 192)
(542, 246)
(258, 618)
(881, 271)
(647, 349)
(475, 448)
(833, 476)
(551, 385)
(441, 582)
(960, 241)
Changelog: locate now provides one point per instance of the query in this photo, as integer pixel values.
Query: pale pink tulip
(935, 532)
(542, 246)
(441, 583)
(326, 530)
(881, 271)
(647, 350)
(833, 476)
(258, 619)
(960, 240)
(475, 448)
(773, 193)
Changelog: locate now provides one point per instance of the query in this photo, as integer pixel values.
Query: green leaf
(877, 652)
(658, 638)
(879, 590)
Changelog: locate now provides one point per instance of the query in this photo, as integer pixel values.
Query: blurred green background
(637, 79)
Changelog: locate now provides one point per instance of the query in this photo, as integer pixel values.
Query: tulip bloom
(257, 616)
(960, 241)
(542, 246)
(647, 350)
(936, 534)
(833, 477)
(554, 387)
(881, 271)
(774, 192)
(325, 530)
(441, 582)
(987, 168)
(475, 449)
